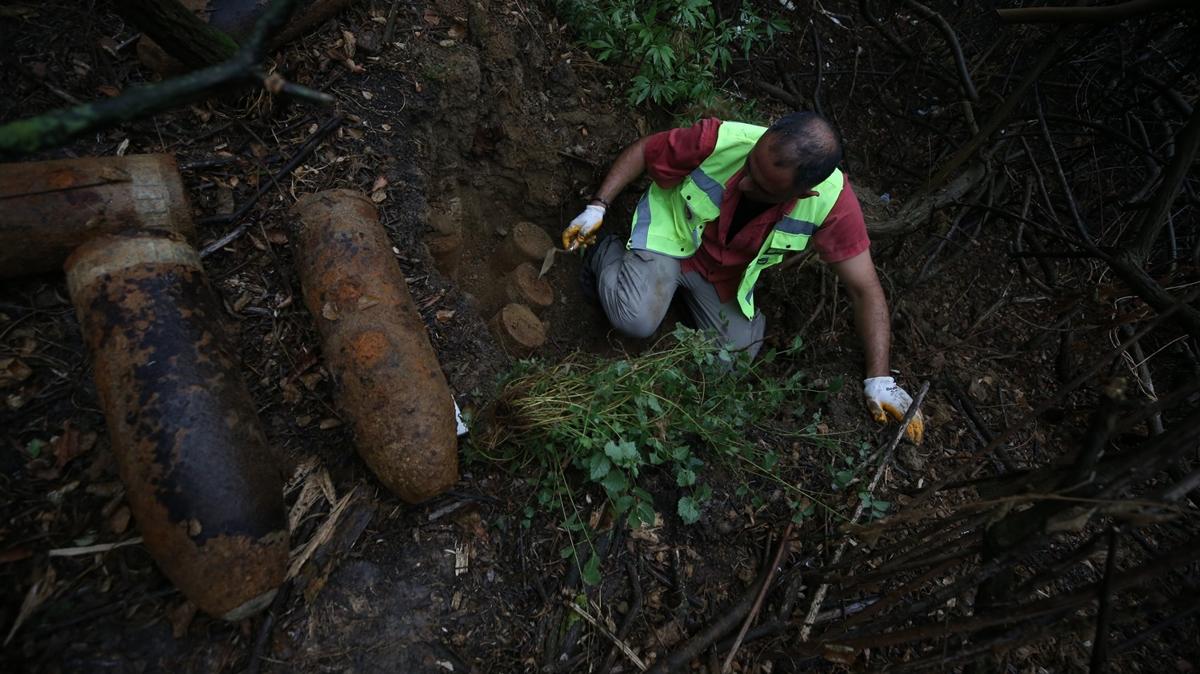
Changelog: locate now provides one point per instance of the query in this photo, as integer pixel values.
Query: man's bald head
(806, 143)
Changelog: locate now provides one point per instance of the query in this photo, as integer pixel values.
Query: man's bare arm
(870, 310)
(628, 166)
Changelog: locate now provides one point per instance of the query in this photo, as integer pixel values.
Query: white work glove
(887, 400)
(582, 230)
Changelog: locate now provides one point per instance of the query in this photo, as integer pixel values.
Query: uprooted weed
(590, 426)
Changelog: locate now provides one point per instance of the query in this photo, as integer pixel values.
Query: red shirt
(671, 155)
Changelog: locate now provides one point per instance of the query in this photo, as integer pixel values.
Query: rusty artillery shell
(48, 208)
(195, 463)
(387, 376)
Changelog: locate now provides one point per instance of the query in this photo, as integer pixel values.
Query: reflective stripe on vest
(671, 221)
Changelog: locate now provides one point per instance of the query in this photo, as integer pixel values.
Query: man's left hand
(886, 400)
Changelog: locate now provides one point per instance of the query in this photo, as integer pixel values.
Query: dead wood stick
(1097, 365)
(816, 38)
(998, 118)
(389, 31)
(758, 601)
(1049, 608)
(1150, 225)
(693, 647)
(885, 459)
(1085, 237)
(1104, 611)
(267, 626)
(778, 92)
(618, 643)
(952, 40)
(635, 586)
(56, 128)
(1107, 14)
(94, 549)
(886, 32)
(309, 146)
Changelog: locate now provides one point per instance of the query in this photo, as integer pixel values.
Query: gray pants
(636, 287)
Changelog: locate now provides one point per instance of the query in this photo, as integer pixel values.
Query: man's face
(763, 180)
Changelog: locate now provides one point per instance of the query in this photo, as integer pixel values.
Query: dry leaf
(444, 315)
(548, 262)
(431, 17)
(119, 521)
(328, 423)
(311, 380)
(181, 618)
(69, 445)
(39, 592)
(367, 301)
(446, 43)
(277, 236)
(329, 312)
(109, 90)
(349, 41)
(380, 183)
(123, 148)
(368, 95)
(379, 197)
(13, 371)
(457, 31)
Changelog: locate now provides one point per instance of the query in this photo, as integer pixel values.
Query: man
(729, 200)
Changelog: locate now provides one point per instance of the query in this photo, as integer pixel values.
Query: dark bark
(178, 31)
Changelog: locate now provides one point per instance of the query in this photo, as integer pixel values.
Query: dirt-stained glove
(582, 230)
(887, 400)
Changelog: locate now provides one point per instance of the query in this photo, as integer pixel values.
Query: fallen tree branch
(178, 31)
(999, 117)
(55, 128)
(693, 647)
(1151, 223)
(952, 40)
(884, 460)
(758, 601)
(1102, 14)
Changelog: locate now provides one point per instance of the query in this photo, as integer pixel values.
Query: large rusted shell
(388, 381)
(48, 208)
(196, 467)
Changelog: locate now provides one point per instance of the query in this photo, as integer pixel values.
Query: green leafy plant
(590, 426)
(677, 47)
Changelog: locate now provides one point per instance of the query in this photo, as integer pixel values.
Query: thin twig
(886, 458)
(309, 146)
(93, 549)
(619, 643)
(1104, 612)
(758, 601)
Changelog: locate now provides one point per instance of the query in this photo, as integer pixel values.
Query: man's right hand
(582, 230)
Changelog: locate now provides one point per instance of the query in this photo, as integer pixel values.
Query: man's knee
(635, 322)
(745, 335)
